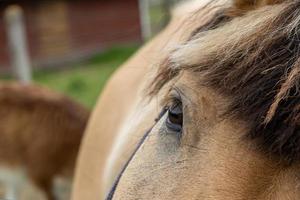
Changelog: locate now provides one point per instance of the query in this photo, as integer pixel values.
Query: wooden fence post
(145, 19)
(17, 43)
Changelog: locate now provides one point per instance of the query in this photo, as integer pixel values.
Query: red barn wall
(4, 51)
(63, 31)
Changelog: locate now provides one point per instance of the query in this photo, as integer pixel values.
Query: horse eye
(174, 119)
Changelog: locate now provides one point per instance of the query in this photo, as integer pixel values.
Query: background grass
(85, 81)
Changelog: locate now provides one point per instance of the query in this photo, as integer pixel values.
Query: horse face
(203, 156)
(229, 128)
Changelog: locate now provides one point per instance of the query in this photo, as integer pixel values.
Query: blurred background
(73, 46)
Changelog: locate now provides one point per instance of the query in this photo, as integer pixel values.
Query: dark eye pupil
(175, 117)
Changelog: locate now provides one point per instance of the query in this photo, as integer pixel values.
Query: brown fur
(242, 6)
(229, 74)
(41, 131)
(262, 82)
(119, 100)
(239, 8)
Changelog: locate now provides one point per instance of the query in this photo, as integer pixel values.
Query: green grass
(85, 81)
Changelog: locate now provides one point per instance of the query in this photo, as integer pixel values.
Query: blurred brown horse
(225, 77)
(40, 133)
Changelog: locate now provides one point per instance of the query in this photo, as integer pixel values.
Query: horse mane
(254, 60)
(242, 6)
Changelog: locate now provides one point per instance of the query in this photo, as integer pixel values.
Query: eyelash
(173, 97)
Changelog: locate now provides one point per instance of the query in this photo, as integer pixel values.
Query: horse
(209, 109)
(40, 135)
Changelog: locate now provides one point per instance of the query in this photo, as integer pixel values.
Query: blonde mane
(253, 59)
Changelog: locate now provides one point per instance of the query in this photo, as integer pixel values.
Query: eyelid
(173, 96)
(182, 95)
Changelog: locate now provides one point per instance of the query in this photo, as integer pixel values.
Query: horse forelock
(253, 60)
